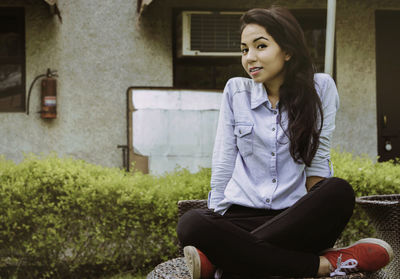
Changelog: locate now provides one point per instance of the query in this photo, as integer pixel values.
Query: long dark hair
(297, 95)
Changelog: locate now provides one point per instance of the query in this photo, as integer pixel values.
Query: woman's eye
(262, 46)
(244, 50)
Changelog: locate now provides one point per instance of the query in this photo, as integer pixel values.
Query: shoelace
(218, 274)
(349, 265)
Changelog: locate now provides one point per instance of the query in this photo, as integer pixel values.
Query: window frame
(19, 13)
(211, 61)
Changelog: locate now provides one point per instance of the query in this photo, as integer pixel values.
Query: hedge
(367, 178)
(65, 218)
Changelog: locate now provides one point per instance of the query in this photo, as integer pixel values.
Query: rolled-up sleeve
(225, 149)
(321, 165)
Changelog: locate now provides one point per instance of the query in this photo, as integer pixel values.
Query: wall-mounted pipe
(330, 36)
(126, 149)
(129, 156)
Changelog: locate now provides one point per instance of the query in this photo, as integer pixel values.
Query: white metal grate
(215, 32)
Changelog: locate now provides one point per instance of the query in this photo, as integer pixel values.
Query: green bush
(64, 218)
(367, 178)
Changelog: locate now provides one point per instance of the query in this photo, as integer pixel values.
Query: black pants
(257, 242)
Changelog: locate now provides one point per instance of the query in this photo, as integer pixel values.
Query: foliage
(367, 178)
(65, 218)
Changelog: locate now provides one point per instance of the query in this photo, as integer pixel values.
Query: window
(313, 23)
(12, 60)
(199, 72)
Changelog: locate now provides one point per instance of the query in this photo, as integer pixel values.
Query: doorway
(388, 86)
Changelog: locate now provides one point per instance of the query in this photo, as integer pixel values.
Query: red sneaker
(198, 264)
(368, 254)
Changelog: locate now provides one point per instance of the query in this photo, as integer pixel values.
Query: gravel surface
(176, 269)
(172, 269)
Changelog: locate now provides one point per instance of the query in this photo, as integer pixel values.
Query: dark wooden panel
(387, 80)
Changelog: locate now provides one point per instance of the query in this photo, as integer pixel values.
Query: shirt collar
(258, 95)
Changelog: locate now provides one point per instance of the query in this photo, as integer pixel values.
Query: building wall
(102, 48)
(20, 132)
(356, 129)
(98, 52)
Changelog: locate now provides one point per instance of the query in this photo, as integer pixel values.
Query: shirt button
(275, 112)
(267, 200)
(273, 129)
(273, 180)
(240, 131)
(272, 153)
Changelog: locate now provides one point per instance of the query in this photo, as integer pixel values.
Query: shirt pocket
(244, 138)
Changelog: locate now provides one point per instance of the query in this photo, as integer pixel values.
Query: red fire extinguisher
(48, 95)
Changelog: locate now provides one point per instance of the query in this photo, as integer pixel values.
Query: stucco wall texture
(356, 129)
(102, 47)
(98, 53)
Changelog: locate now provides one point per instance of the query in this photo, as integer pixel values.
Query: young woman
(274, 207)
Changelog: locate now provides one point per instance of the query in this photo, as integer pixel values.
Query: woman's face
(262, 57)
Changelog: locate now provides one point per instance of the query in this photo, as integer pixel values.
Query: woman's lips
(255, 70)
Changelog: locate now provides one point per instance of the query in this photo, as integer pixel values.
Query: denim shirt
(251, 164)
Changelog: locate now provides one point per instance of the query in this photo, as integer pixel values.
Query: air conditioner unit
(206, 33)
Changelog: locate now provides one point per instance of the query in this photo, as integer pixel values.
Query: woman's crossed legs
(266, 242)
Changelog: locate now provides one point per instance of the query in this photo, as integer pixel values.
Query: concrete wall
(356, 129)
(101, 49)
(98, 52)
(19, 132)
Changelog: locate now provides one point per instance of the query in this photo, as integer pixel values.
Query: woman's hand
(312, 180)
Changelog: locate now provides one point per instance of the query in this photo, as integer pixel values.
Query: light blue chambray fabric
(251, 163)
